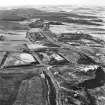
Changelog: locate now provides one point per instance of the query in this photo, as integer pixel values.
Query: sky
(13, 3)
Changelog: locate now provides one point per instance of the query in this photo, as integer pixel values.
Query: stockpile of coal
(80, 87)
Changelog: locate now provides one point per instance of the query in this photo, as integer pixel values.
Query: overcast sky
(9, 3)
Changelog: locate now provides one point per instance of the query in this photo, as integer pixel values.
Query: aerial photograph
(52, 54)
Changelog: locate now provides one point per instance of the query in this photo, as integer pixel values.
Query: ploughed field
(69, 71)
